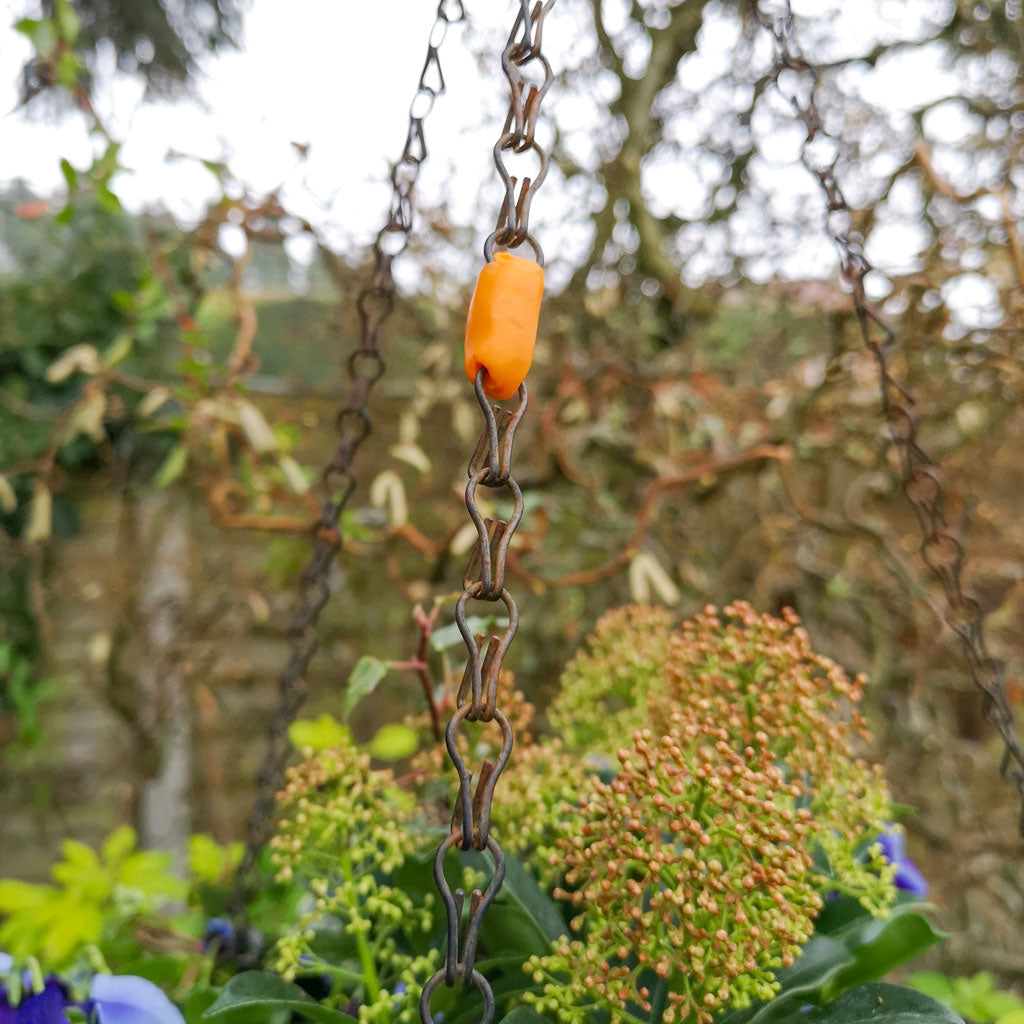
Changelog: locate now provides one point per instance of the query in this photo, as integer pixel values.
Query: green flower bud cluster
(344, 832)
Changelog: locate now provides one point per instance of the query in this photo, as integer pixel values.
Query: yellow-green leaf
(118, 845)
(172, 467)
(208, 861)
(317, 734)
(394, 742)
(17, 896)
(120, 348)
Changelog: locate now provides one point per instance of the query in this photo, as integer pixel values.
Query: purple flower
(6, 1010)
(217, 934)
(130, 1000)
(908, 875)
(46, 1007)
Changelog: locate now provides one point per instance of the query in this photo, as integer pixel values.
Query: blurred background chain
(365, 366)
(941, 546)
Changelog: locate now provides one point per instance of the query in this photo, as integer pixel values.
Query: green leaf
(363, 680)
(263, 990)
(208, 861)
(70, 175)
(172, 467)
(68, 22)
(16, 896)
(524, 1015)
(199, 1000)
(805, 982)
(106, 200)
(933, 984)
(40, 32)
(880, 944)
(528, 920)
(394, 742)
(120, 348)
(118, 845)
(68, 70)
(318, 734)
(881, 1002)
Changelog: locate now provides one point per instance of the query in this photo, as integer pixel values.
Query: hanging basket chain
(941, 547)
(365, 367)
(490, 466)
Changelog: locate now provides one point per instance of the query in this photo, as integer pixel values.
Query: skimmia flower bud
(701, 778)
(344, 832)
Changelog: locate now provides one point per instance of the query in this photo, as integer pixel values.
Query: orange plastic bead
(501, 329)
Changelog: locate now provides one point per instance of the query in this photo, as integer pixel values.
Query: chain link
(490, 466)
(941, 548)
(353, 424)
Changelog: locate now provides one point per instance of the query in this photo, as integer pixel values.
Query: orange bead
(501, 329)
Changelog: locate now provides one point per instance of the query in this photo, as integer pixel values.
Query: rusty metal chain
(491, 466)
(941, 548)
(365, 366)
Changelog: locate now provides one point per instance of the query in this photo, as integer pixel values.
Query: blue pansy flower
(908, 875)
(126, 999)
(46, 1007)
(217, 935)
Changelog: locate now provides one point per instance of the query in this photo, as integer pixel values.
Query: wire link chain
(518, 135)
(490, 466)
(353, 424)
(941, 547)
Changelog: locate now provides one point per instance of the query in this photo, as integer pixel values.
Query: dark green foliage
(160, 40)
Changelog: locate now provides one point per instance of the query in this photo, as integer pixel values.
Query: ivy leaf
(262, 990)
(881, 1003)
(363, 680)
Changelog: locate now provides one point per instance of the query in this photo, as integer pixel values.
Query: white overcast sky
(339, 75)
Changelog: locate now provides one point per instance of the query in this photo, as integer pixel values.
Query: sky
(338, 76)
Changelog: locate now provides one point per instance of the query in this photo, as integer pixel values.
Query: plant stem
(370, 978)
